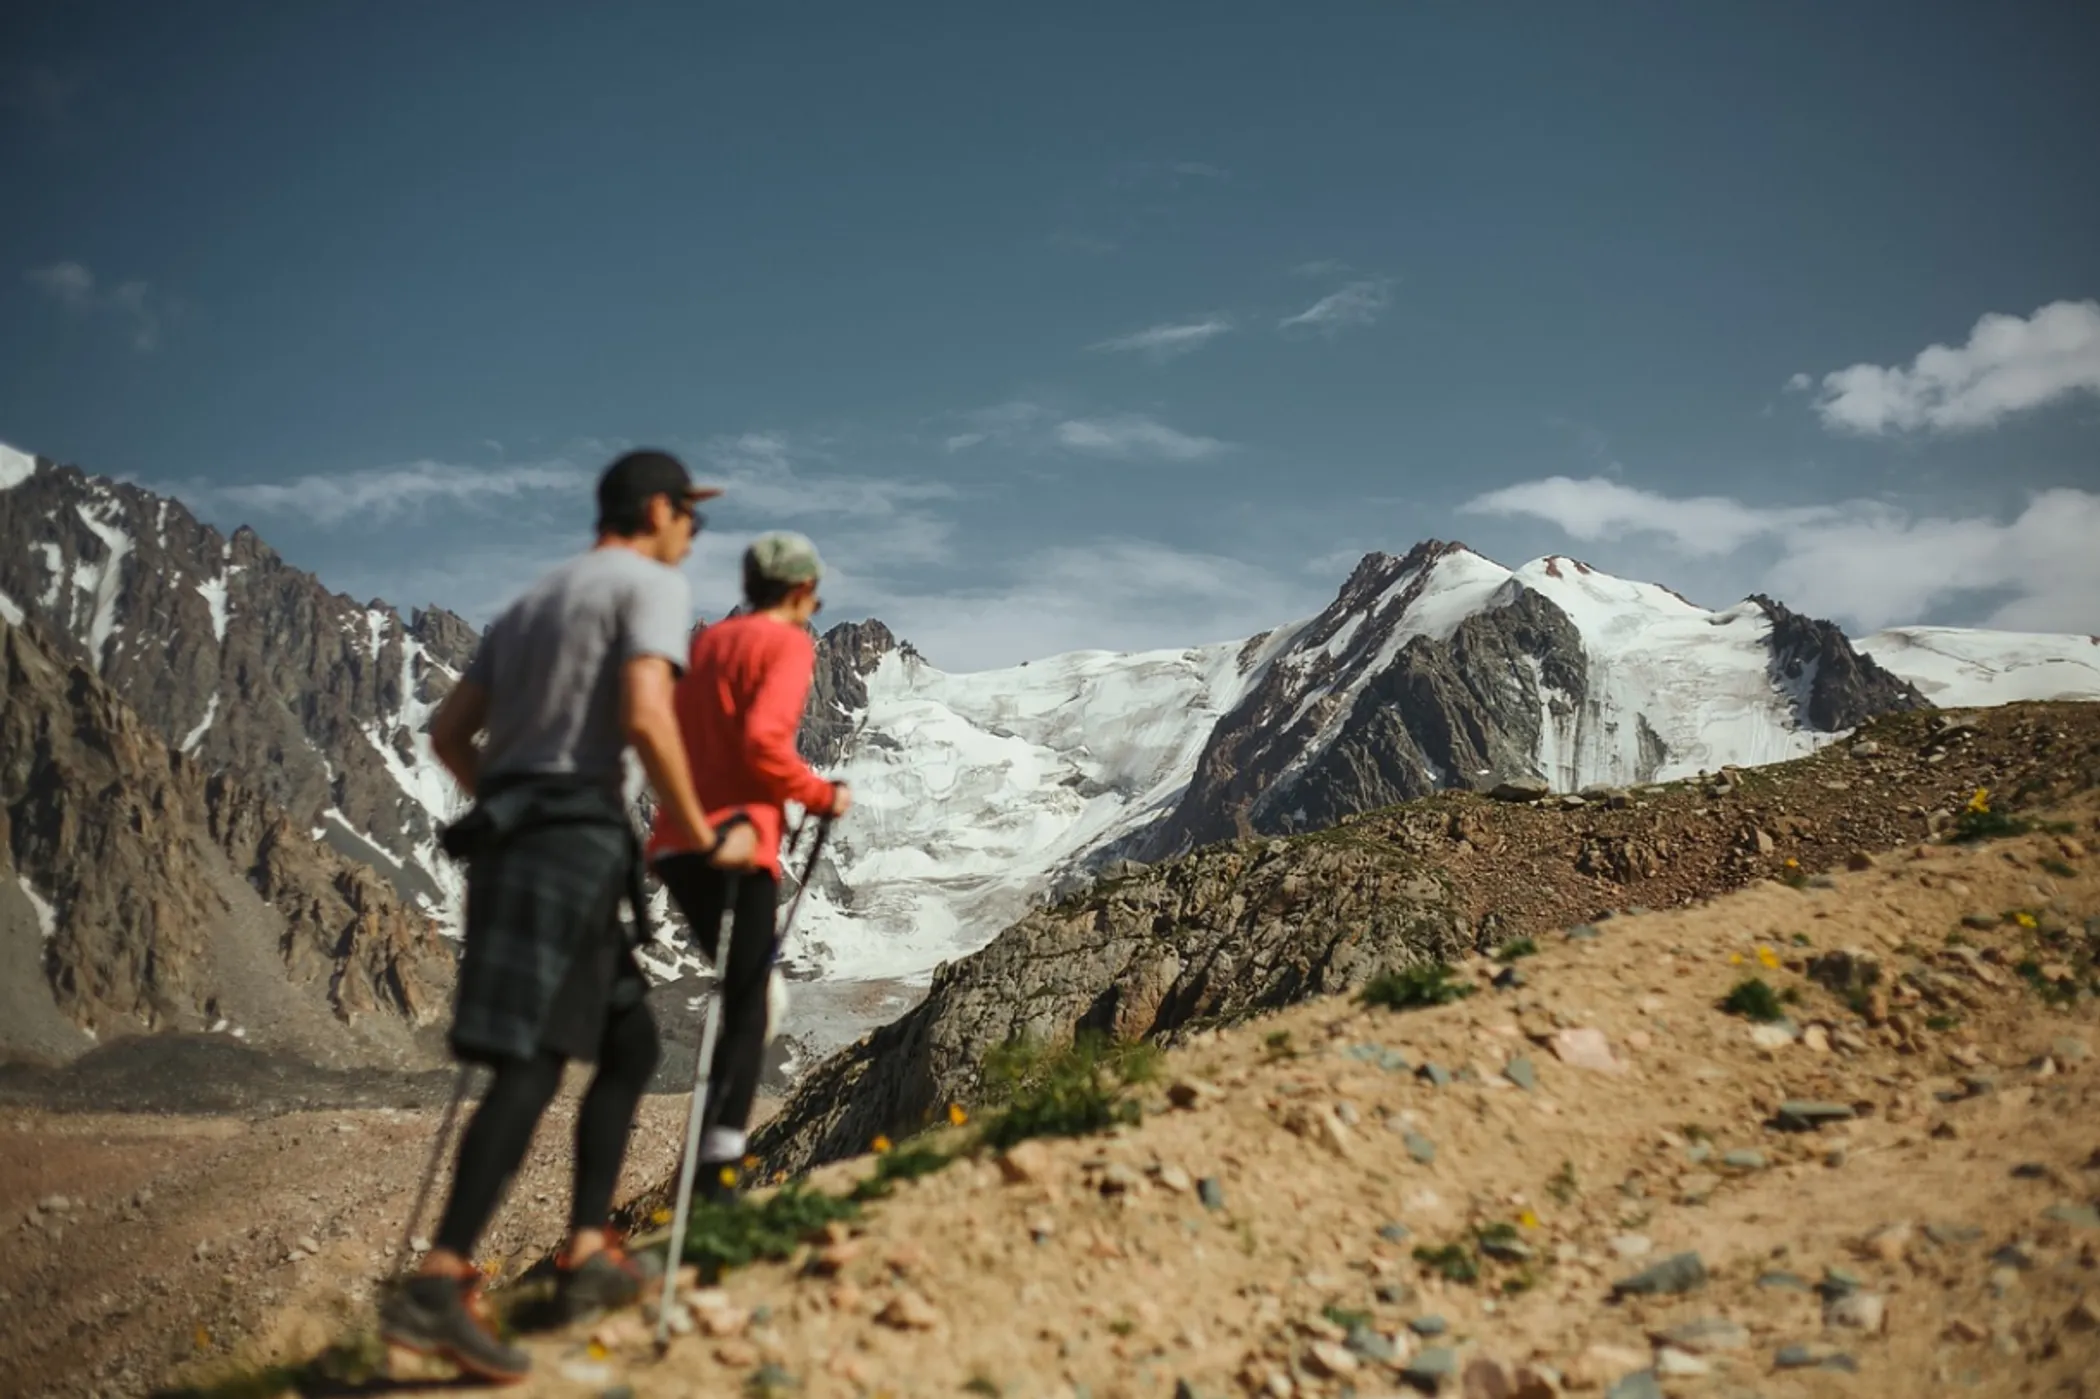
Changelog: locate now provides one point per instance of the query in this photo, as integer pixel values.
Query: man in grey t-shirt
(569, 676)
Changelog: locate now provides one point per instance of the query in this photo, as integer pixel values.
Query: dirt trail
(1948, 1222)
(182, 1236)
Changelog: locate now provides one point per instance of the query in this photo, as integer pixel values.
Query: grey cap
(784, 557)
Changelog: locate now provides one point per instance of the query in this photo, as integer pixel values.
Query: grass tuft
(1067, 1091)
(1413, 988)
(1753, 999)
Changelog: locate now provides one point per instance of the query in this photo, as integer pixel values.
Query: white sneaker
(776, 1004)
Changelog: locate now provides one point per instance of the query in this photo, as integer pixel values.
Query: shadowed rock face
(838, 696)
(233, 657)
(181, 897)
(1836, 687)
(1214, 937)
(1430, 714)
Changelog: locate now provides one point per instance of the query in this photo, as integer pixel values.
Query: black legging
(700, 891)
(495, 1141)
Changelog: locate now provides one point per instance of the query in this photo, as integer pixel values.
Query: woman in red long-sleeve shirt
(739, 706)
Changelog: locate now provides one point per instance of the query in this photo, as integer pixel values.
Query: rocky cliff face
(838, 696)
(177, 898)
(242, 662)
(1835, 686)
(1441, 671)
(1214, 937)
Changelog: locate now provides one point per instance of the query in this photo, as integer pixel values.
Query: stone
(2084, 1315)
(1953, 1235)
(2077, 1216)
(1888, 1243)
(1743, 1159)
(1672, 1363)
(1429, 1325)
(1706, 1336)
(1584, 1047)
(307, 1243)
(1175, 1179)
(1537, 1382)
(1777, 1035)
(1119, 1178)
(1837, 1282)
(1816, 1040)
(1211, 1193)
(1521, 789)
(1330, 1361)
(1192, 1093)
(1394, 1233)
(1783, 1282)
(1857, 1311)
(1805, 1356)
(1437, 1075)
(1860, 860)
(1430, 1367)
(1582, 932)
(1807, 1114)
(1521, 1072)
(908, 1311)
(1027, 1163)
(1632, 1245)
(1317, 1123)
(1679, 1273)
(1363, 1341)
(1418, 1146)
(1695, 1187)
(1964, 1332)
(1487, 1378)
(1641, 1384)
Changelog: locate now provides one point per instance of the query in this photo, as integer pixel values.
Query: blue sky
(1059, 327)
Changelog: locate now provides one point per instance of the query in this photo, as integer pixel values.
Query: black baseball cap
(638, 475)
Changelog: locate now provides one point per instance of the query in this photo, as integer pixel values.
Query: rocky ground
(1584, 1177)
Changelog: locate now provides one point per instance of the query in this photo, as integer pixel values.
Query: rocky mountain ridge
(1253, 924)
(170, 897)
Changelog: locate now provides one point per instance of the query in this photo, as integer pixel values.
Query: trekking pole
(437, 1154)
(695, 1111)
(809, 872)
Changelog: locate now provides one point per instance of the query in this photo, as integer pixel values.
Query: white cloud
(1598, 508)
(73, 286)
(1867, 562)
(1031, 427)
(388, 492)
(1359, 303)
(2009, 365)
(1112, 593)
(1131, 436)
(1164, 342)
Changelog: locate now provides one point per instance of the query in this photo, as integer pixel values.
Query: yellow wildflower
(750, 1163)
(1792, 863)
(2024, 919)
(1767, 957)
(203, 1339)
(1528, 1220)
(881, 1144)
(956, 1115)
(728, 1175)
(1735, 959)
(1981, 802)
(660, 1217)
(596, 1350)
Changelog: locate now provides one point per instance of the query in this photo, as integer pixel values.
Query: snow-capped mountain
(978, 794)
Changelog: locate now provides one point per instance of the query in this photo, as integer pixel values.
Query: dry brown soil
(1954, 1210)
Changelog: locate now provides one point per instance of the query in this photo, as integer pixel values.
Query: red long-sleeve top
(739, 705)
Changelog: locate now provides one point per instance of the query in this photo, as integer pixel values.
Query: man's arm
(652, 727)
(462, 715)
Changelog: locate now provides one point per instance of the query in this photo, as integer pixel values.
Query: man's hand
(841, 800)
(462, 715)
(736, 848)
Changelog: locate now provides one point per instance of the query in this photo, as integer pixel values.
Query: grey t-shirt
(551, 663)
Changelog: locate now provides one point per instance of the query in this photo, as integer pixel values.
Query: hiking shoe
(609, 1278)
(443, 1316)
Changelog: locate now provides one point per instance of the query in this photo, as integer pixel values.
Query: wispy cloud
(1357, 304)
(1866, 561)
(1161, 343)
(385, 493)
(1133, 436)
(1114, 592)
(1322, 267)
(2009, 365)
(1025, 426)
(133, 304)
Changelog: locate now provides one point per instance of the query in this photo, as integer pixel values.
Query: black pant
(701, 892)
(495, 1141)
